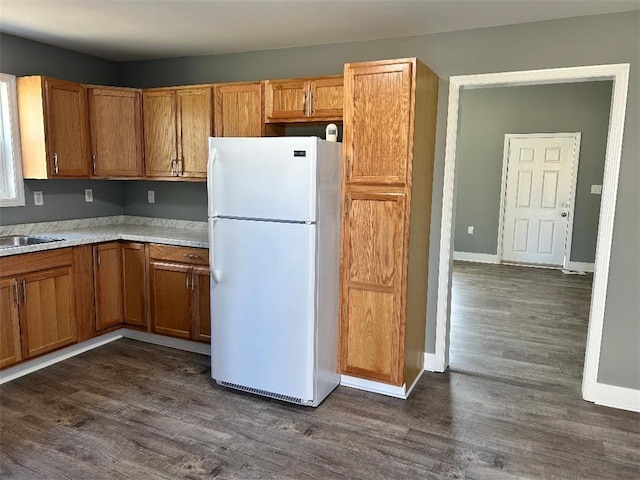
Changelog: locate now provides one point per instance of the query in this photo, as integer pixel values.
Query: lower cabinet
(179, 292)
(10, 351)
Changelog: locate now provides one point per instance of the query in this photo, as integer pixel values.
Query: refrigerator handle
(215, 275)
(213, 156)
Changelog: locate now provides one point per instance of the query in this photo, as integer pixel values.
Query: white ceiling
(144, 29)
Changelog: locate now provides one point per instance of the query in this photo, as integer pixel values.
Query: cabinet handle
(190, 255)
(310, 103)
(187, 275)
(180, 166)
(304, 103)
(346, 207)
(24, 292)
(347, 166)
(173, 167)
(98, 258)
(193, 279)
(93, 159)
(15, 292)
(55, 163)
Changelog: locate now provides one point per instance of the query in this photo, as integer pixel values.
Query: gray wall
(578, 41)
(63, 199)
(181, 200)
(487, 115)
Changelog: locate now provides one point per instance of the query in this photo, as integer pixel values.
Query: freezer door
(265, 178)
(263, 306)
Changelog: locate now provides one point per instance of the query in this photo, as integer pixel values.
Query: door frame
(577, 136)
(619, 74)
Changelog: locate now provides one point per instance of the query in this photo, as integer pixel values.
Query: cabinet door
(116, 132)
(194, 122)
(377, 123)
(47, 313)
(159, 123)
(370, 326)
(108, 285)
(9, 323)
(285, 99)
(67, 130)
(171, 299)
(238, 110)
(201, 304)
(326, 98)
(133, 284)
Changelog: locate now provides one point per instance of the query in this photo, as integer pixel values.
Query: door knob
(563, 214)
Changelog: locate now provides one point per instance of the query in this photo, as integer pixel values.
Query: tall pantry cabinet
(389, 135)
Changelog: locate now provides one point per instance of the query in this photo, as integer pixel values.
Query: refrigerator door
(263, 306)
(263, 178)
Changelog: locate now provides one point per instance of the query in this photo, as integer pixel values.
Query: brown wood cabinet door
(194, 122)
(377, 119)
(47, 311)
(67, 128)
(171, 299)
(238, 110)
(326, 98)
(160, 140)
(10, 349)
(108, 285)
(286, 100)
(201, 305)
(133, 284)
(116, 132)
(370, 327)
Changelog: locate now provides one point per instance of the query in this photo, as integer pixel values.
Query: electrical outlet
(151, 196)
(38, 198)
(470, 229)
(88, 195)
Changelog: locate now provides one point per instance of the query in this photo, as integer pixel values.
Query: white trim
(617, 397)
(171, 342)
(43, 361)
(581, 266)
(430, 363)
(619, 73)
(11, 134)
(374, 387)
(577, 140)
(476, 257)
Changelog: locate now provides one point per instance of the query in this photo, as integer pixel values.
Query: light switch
(38, 198)
(470, 229)
(597, 189)
(88, 195)
(151, 196)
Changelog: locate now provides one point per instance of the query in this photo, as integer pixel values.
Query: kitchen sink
(23, 240)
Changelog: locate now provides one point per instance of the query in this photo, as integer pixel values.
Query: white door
(266, 178)
(263, 305)
(538, 198)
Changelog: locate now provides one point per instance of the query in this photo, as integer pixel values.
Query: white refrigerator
(274, 230)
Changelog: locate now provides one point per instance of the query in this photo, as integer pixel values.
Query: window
(11, 183)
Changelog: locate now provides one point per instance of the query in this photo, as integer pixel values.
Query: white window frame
(11, 180)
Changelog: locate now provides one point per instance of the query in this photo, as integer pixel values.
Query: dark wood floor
(130, 410)
(520, 324)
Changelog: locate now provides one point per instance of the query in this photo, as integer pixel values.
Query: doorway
(619, 75)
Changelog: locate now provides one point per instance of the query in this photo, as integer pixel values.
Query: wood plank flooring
(130, 410)
(520, 324)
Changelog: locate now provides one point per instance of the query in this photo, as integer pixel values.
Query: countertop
(107, 229)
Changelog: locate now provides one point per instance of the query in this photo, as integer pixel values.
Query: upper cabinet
(304, 99)
(115, 120)
(239, 109)
(177, 125)
(53, 128)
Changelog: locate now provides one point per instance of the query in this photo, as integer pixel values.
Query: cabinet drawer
(32, 262)
(193, 256)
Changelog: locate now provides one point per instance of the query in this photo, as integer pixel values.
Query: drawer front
(15, 265)
(192, 256)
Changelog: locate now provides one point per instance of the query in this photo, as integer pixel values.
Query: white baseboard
(475, 257)
(171, 342)
(430, 363)
(374, 387)
(48, 359)
(617, 397)
(581, 266)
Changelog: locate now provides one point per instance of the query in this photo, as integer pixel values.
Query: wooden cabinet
(108, 285)
(115, 125)
(386, 216)
(304, 99)
(40, 288)
(179, 292)
(238, 110)
(53, 128)
(133, 284)
(10, 350)
(177, 124)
